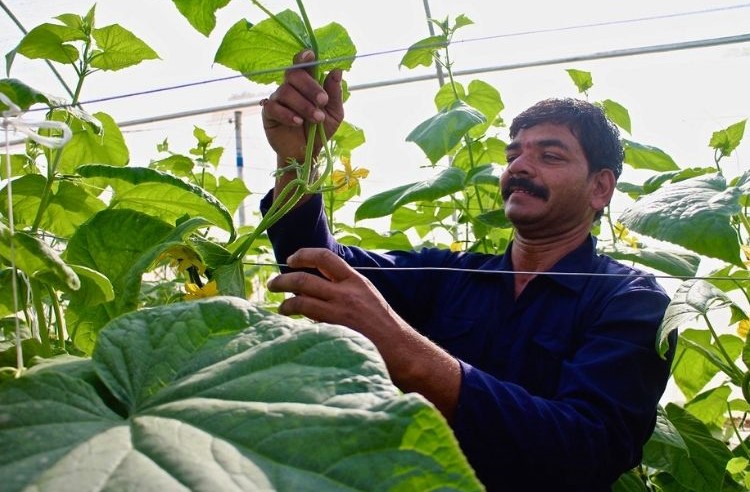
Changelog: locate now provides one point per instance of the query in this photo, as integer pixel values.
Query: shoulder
(620, 280)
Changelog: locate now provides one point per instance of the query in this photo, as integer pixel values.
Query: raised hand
(299, 102)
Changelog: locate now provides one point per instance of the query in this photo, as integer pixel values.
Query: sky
(676, 100)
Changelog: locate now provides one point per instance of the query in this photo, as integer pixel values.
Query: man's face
(546, 186)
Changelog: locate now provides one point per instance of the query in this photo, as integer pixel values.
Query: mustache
(515, 183)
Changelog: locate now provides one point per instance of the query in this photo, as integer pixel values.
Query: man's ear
(602, 185)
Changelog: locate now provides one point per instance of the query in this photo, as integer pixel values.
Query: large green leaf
(201, 13)
(480, 152)
(263, 51)
(91, 145)
(481, 96)
(641, 156)
(677, 263)
(693, 298)
(110, 243)
(439, 134)
(37, 260)
(711, 407)
(160, 194)
(68, 207)
(700, 467)
(694, 213)
(446, 182)
(219, 395)
(50, 42)
(21, 94)
(119, 48)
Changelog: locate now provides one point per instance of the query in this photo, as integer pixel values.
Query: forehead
(546, 135)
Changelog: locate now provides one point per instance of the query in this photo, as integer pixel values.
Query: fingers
(332, 87)
(301, 98)
(324, 260)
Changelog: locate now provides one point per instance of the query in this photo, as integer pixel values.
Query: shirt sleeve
(594, 427)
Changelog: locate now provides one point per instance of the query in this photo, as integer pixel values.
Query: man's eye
(510, 158)
(552, 157)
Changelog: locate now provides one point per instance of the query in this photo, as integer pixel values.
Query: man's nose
(521, 165)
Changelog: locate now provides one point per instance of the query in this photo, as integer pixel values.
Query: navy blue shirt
(559, 387)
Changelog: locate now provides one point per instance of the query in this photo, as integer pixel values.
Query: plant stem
(36, 300)
(738, 374)
(59, 317)
(280, 23)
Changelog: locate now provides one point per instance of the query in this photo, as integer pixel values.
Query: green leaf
(494, 218)
(701, 359)
(37, 260)
(69, 206)
(423, 51)
(179, 165)
(95, 288)
(50, 42)
(334, 44)
(581, 79)
(701, 467)
(370, 239)
(262, 52)
(7, 306)
(230, 279)
(677, 263)
(219, 395)
(478, 153)
(462, 21)
(111, 242)
(230, 192)
(692, 299)
(617, 114)
(481, 96)
(425, 214)
(711, 407)
(450, 180)
(629, 482)
(128, 296)
(442, 132)
(201, 13)
(90, 146)
(119, 48)
(160, 194)
(21, 94)
(639, 156)
(348, 137)
(728, 139)
(694, 213)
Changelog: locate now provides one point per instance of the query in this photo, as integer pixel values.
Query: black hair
(598, 136)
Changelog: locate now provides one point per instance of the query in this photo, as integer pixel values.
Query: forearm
(416, 364)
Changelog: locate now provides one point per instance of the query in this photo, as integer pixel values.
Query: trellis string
(12, 120)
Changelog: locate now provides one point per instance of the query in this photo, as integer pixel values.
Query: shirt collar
(580, 260)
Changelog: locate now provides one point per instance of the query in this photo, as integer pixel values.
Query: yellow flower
(457, 246)
(623, 234)
(193, 292)
(183, 258)
(743, 327)
(348, 178)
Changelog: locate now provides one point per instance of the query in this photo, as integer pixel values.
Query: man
(549, 381)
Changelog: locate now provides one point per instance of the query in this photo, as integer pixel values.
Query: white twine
(12, 120)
